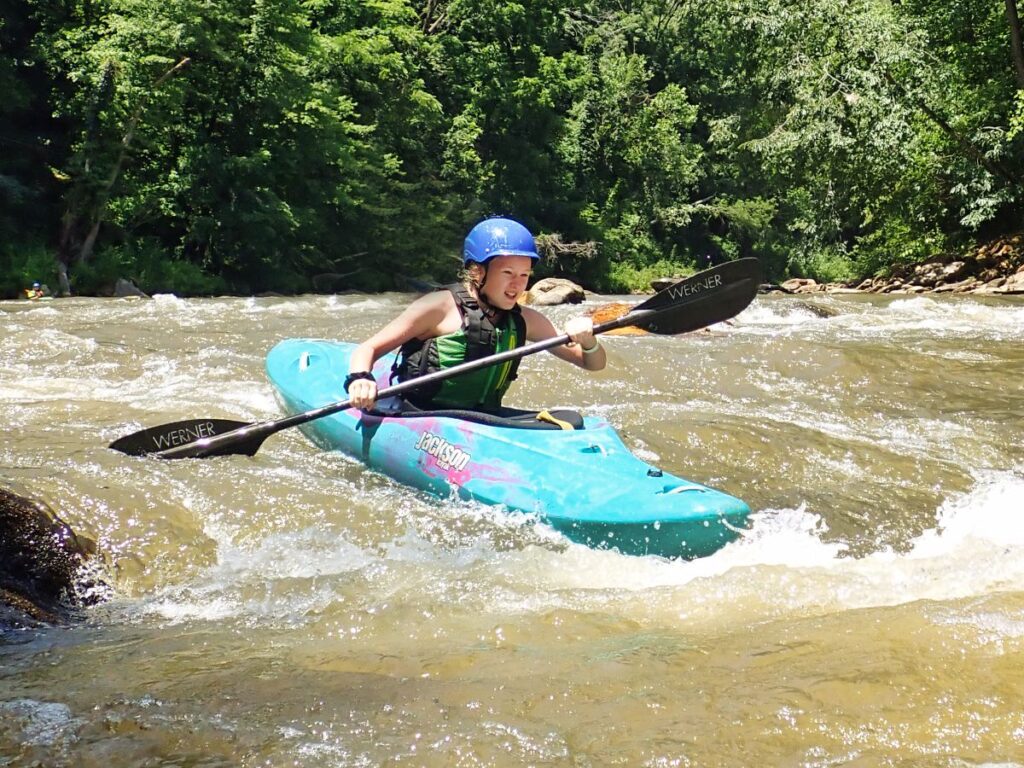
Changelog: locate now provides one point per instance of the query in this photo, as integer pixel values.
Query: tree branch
(90, 240)
(996, 169)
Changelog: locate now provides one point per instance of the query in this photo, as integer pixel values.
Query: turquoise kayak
(582, 481)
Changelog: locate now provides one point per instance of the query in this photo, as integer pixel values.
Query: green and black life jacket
(478, 337)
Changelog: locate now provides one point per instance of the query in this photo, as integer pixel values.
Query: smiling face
(506, 280)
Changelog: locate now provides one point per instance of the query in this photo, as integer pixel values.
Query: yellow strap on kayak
(545, 416)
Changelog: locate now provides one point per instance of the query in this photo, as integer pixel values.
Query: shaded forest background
(240, 146)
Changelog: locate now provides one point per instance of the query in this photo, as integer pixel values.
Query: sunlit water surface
(295, 609)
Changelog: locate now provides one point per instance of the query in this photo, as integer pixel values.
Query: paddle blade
(701, 300)
(174, 435)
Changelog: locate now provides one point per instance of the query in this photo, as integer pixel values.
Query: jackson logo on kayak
(177, 437)
(448, 456)
(680, 290)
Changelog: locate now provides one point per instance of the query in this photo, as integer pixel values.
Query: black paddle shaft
(703, 299)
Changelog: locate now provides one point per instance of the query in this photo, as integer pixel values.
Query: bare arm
(424, 318)
(580, 329)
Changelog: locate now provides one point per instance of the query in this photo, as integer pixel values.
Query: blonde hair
(472, 276)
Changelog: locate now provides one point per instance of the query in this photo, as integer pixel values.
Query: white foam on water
(362, 302)
(285, 577)
(775, 314)
(784, 566)
(934, 317)
(275, 557)
(993, 512)
(966, 314)
(296, 306)
(27, 348)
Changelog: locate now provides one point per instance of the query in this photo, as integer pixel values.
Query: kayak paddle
(703, 299)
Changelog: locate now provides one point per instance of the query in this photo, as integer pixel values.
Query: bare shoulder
(434, 314)
(425, 317)
(436, 303)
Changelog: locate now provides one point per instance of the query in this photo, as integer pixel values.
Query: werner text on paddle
(691, 288)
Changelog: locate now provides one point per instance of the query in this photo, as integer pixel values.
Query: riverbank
(993, 268)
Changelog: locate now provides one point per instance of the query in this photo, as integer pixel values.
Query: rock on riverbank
(995, 268)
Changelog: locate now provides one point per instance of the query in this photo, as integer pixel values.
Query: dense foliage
(205, 146)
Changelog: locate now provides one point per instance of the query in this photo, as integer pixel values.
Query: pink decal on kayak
(450, 457)
(446, 455)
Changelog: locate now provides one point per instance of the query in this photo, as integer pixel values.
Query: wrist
(356, 376)
(590, 350)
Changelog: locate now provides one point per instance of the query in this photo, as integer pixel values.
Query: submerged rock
(613, 311)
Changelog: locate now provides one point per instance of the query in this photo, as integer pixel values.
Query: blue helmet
(498, 237)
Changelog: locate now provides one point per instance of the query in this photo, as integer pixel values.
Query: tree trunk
(1016, 44)
(433, 17)
(72, 248)
(64, 285)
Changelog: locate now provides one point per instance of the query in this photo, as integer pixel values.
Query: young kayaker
(470, 320)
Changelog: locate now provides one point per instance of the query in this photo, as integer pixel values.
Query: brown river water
(296, 609)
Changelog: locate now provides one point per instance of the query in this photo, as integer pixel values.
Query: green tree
(30, 140)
